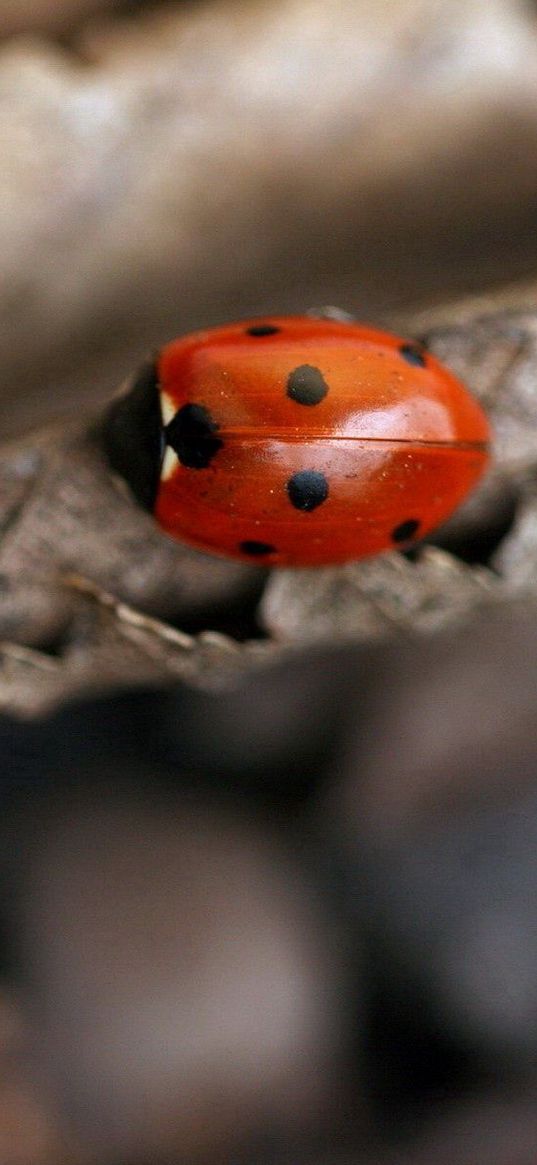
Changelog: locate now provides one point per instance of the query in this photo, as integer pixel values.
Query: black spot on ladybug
(191, 434)
(262, 330)
(257, 549)
(132, 436)
(306, 385)
(413, 354)
(307, 489)
(406, 530)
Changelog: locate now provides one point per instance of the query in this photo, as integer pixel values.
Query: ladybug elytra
(297, 441)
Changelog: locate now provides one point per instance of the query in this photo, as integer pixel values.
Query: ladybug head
(133, 435)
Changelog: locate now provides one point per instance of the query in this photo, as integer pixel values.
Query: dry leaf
(375, 598)
(110, 646)
(64, 513)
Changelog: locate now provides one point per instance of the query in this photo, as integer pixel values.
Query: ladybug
(295, 441)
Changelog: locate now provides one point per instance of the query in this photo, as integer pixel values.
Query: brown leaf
(108, 646)
(375, 598)
(65, 514)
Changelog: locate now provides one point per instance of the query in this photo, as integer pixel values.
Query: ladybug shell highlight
(297, 442)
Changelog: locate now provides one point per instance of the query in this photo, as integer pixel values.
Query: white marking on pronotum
(170, 460)
(168, 408)
(169, 463)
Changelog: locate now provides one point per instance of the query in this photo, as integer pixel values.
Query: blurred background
(171, 165)
(297, 922)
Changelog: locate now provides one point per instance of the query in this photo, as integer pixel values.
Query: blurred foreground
(306, 935)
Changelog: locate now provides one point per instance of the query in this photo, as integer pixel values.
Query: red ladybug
(295, 442)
